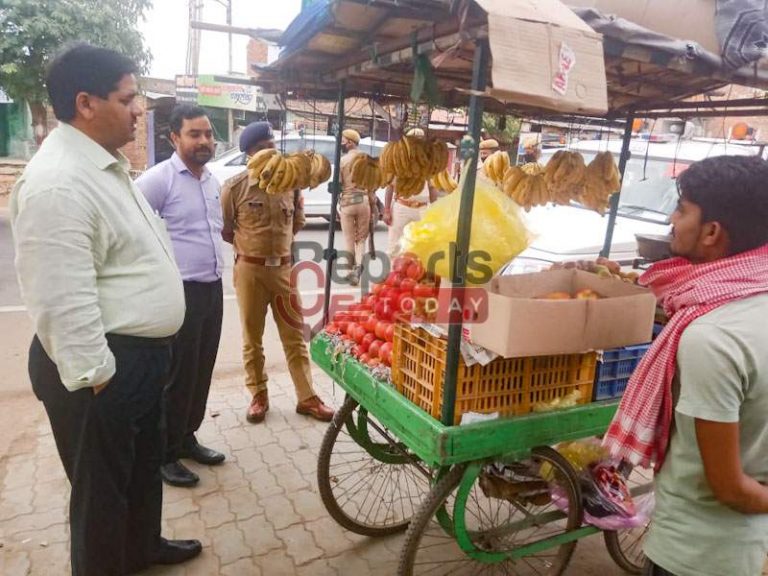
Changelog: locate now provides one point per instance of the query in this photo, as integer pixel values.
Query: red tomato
(359, 334)
(367, 340)
(370, 301)
(356, 351)
(376, 288)
(401, 263)
(381, 330)
(346, 337)
(389, 335)
(407, 285)
(394, 279)
(405, 303)
(332, 328)
(386, 354)
(384, 310)
(341, 315)
(373, 362)
(370, 324)
(343, 326)
(415, 271)
(373, 349)
(424, 291)
(365, 358)
(351, 328)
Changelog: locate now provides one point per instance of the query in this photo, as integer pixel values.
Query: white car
(648, 198)
(317, 201)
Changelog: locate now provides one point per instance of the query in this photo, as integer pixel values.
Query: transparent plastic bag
(498, 233)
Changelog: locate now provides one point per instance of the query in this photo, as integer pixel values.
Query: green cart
(386, 465)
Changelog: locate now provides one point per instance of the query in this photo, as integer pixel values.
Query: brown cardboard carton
(543, 55)
(684, 19)
(521, 324)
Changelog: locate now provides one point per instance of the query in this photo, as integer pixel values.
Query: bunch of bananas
(532, 168)
(276, 173)
(565, 174)
(366, 173)
(496, 165)
(412, 160)
(602, 179)
(565, 178)
(444, 181)
(320, 171)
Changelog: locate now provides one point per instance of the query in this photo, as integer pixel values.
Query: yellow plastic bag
(498, 233)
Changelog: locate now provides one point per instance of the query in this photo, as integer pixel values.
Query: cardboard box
(684, 19)
(543, 55)
(520, 324)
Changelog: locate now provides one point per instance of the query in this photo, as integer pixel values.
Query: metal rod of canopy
(464, 231)
(335, 189)
(614, 206)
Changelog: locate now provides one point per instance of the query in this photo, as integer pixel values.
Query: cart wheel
(472, 523)
(369, 482)
(626, 546)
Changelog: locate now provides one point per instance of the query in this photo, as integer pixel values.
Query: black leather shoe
(201, 454)
(176, 551)
(176, 474)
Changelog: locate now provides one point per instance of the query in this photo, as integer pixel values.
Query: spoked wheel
(370, 483)
(626, 546)
(476, 521)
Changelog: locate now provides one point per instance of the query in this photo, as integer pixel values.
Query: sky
(166, 26)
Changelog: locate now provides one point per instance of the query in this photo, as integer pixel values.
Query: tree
(505, 131)
(33, 31)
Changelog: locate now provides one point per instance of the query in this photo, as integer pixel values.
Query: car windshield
(650, 188)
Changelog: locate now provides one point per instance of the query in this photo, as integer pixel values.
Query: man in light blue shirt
(185, 195)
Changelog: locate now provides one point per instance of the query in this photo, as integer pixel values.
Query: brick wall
(258, 53)
(136, 151)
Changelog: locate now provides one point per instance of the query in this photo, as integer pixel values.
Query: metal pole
(614, 207)
(230, 114)
(463, 235)
(335, 189)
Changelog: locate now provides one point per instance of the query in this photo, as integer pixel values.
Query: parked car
(648, 198)
(317, 201)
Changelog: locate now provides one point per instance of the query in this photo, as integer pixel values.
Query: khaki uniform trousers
(355, 222)
(401, 216)
(258, 288)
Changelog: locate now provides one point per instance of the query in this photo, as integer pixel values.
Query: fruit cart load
(563, 312)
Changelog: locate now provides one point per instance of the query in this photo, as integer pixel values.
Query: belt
(125, 341)
(411, 203)
(272, 261)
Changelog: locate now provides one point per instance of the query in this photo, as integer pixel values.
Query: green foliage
(506, 133)
(32, 32)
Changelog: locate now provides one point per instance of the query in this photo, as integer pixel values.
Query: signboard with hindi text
(215, 93)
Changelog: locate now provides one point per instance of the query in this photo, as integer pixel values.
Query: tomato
(405, 303)
(394, 279)
(359, 334)
(356, 351)
(384, 310)
(376, 288)
(332, 328)
(367, 340)
(373, 349)
(370, 324)
(370, 301)
(386, 354)
(343, 326)
(424, 291)
(351, 328)
(381, 330)
(341, 315)
(346, 337)
(389, 334)
(415, 271)
(407, 285)
(401, 263)
(373, 362)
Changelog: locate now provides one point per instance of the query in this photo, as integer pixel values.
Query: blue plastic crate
(615, 369)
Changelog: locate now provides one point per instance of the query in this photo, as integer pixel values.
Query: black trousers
(193, 358)
(111, 445)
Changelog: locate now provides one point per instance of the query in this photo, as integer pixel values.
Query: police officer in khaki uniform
(261, 227)
(357, 206)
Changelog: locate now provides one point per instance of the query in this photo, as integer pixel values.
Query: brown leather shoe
(257, 411)
(314, 407)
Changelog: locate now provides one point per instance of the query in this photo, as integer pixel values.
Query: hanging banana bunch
(277, 174)
(366, 173)
(495, 166)
(602, 180)
(412, 160)
(444, 181)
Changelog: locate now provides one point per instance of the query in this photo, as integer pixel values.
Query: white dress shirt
(91, 256)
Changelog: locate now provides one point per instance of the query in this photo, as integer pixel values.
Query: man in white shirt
(98, 277)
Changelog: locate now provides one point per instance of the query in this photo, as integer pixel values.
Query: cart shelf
(507, 438)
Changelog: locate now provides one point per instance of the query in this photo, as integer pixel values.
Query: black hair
(84, 68)
(184, 112)
(731, 190)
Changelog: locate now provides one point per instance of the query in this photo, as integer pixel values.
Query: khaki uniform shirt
(263, 224)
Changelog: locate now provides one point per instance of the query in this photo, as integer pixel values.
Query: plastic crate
(505, 385)
(615, 369)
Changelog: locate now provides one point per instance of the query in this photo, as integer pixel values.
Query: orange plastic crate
(505, 385)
